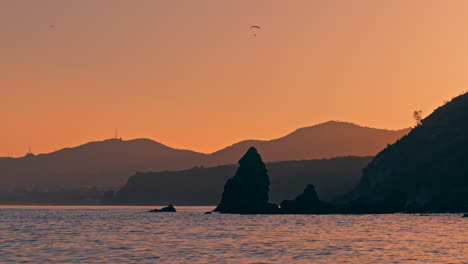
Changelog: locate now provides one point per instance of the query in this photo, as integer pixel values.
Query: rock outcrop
(306, 203)
(168, 209)
(247, 191)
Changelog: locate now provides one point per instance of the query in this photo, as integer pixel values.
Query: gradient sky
(190, 74)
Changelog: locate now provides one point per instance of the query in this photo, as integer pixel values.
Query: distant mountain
(326, 140)
(109, 163)
(427, 170)
(106, 163)
(203, 186)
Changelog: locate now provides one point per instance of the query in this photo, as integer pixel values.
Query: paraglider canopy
(254, 29)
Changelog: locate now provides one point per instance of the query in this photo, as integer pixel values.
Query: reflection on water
(130, 235)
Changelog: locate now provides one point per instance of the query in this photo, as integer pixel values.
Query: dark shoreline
(278, 213)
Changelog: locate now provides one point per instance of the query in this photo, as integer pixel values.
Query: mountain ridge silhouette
(110, 162)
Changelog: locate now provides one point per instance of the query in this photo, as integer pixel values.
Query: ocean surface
(41, 234)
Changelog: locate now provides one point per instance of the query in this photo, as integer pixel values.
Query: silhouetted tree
(417, 115)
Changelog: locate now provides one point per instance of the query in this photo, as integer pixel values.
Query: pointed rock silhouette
(247, 191)
(309, 195)
(306, 203)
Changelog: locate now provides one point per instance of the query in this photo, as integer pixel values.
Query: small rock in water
(169, 208)
(465, 215)
(207, 213)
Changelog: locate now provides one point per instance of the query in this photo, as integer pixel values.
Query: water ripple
(128, 235)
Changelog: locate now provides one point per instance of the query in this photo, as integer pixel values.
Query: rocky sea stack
(247, 191)
(306, 203)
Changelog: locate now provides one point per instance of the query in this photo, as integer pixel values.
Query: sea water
(41, 234)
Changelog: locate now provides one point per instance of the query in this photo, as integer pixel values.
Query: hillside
(326, 140)
(203, 186)
(427, 170)
(109, 163)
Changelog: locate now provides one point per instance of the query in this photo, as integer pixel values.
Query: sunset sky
(190, 74)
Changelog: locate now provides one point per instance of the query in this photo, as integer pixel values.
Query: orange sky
(189, 74)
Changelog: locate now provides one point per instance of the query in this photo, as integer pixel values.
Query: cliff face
(427, 170)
